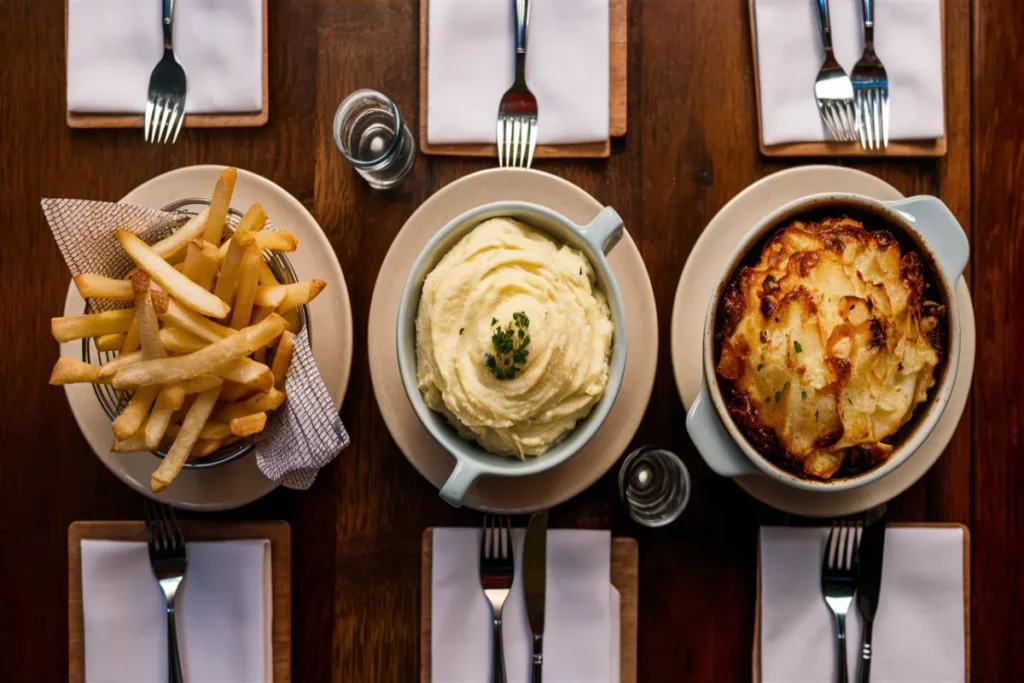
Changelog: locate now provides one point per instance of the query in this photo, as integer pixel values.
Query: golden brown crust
(826, 345)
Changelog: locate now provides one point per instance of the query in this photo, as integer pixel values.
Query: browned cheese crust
(827, 345)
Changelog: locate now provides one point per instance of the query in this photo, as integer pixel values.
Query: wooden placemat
(756, 655)
(618, 31)
(896, 148)
(279, 534)
(625, 561)
(226, 120)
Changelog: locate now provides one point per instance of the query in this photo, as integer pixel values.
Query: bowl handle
(454, 490)
(604, 232)
(941, 231)
(713, 443)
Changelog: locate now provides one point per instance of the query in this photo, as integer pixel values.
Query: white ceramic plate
(551, 487)
(239, 482)
(697, 284)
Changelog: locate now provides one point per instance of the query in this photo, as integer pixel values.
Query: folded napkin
(223, 611)
(113, 46)
(471, 63)
(919, 627)
(581, 631)
(908, 40)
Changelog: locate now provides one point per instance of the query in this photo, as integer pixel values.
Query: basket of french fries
(188, 341)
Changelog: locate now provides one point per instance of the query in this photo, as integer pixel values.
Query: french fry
(249, 424)
(200, 263)
(176, 340)
(198, 385)
(227, 283)
(294, 295)
(264, 402)
(184, 290)
(215, 430)
(219, 204)
(135, 442)
(167, 401)
(267, 276)
(179, 368)
(110, 368)
(110, 342)
(135, 413)
(131, 338)
(145, 318)
(185, 440)
(248, 279)
(233, 391)
(254, 219)
(260, 313)
(282, 358)
(204, 448)
(184, 319)
(91, 284)
(91, 325)
(248, 372)
(69, 370)
(175, 244)
(260, 355)
(270, 296)
(267, 240)
(294, 321)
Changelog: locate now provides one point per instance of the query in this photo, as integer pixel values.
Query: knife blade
(535, 562)
(869, 582)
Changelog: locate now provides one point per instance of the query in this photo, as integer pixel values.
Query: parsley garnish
(759, 366)
(797, 347)
(778, 397)
(510, 345)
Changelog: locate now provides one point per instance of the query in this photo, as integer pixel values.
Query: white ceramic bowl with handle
(925, 223)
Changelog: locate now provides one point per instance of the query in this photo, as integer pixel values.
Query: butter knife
(535, 561)
(869, 583)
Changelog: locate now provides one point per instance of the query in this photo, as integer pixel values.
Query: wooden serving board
(625, 561)
(756, 653)
(225, 120)
(279, 534)
(896, 148)
(618, 31)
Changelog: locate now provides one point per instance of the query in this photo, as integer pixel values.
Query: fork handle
(825, 24)
(174, 674)
(522, 20)
(869, 22)
(840, 650)
(497, 654)
(168, 21)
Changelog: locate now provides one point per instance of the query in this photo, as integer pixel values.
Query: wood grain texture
(277, 533)
(617, 97)
(624, 576)
(896, 148)
(226, 120)
(692, 145)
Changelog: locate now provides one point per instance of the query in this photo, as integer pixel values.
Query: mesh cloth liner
(301, 436)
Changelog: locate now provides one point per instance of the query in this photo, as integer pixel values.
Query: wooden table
(691, 146)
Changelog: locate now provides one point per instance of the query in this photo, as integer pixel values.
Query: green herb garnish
(510, 344)
(778, 397)
(797, 347)
(759, 366)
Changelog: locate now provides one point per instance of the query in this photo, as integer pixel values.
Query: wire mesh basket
(113, 401)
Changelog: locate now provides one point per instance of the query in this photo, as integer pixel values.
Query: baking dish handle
(713, 443)
(604, 232)
(941, 232)
(459, 481)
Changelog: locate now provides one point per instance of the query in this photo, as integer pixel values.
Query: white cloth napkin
(919, 627)
(471, 63)
(113, 46)
(581, 629)
(908, 40)
(223, 610)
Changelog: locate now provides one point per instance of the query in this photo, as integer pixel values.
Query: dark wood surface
(692, 144)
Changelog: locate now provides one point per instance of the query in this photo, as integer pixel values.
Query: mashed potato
(502, 268)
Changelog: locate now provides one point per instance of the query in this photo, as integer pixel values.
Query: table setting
(383, 399)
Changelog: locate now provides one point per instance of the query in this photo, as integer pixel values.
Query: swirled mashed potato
(502, 267)
(827, 345)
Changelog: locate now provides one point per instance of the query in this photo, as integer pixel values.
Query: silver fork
(839, 581)
(517, 113)
(833, 89)
(497, 569)
(169, 558)
(871, 89)
(165, 106)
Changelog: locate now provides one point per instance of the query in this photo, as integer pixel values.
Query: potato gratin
(827, 345)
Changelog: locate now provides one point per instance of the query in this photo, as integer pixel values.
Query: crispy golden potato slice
(248, 279)
(185, 440)
(249, 424)
(171, 247)
(91, 325)
(183, 319)
(220, 202)
(69, 370)
(201, 263)
(110, 342)
(136, 412)
(93, 285)
(282, 358)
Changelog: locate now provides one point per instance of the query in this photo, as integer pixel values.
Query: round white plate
(697, 285)
(239, 482)
(551, 487)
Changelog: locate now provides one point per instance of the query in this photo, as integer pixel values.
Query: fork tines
(842, 545)
(163, 534)
(497, 540)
